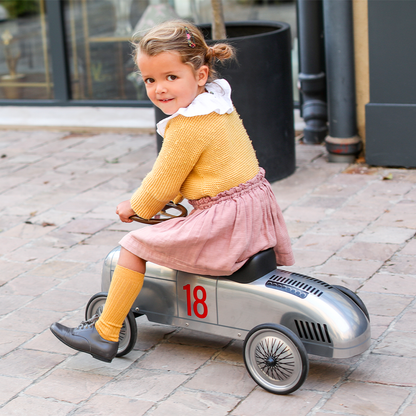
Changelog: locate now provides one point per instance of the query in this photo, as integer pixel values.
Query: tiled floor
(350, 225)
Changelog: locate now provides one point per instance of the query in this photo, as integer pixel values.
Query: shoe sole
(97, 357)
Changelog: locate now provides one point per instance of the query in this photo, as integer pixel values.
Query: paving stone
(305, 214)
(33, 254)
(28, 285)
(62, 239)
(79, 167)
(262, 403)
(388, 188)
(357, 269)
(322, 242)
(60, 301)
(366, 399)
(144, 384)
(379, 324)
(407, 321)
(52, 216)
(28, 364)
(8, 303)
(12, 269)
(354, 211)
(310, 258)
(350, 283)
(10, 182)
(386, 369)
(104, 213)
(84, 282)
(28, 319)
(85, 226)
(58, 269)
(79, 204)
(7, 245)
(343, 184)
(390, 235)
(86, 253)
(189, 403)
(400, 215)
(9, 340)
(410, 248)
(297, 228)
(391, 283)
(222, 378)
(368, 251)
(101, 405)
(47, 342)
(233, 353)
(409, 411)
(401, 344)
(26, 231)
(184, 359)
(286, 194)
(339, 227)
(24, 405)
(323, 376)
(9, 221)
(401, 264)
(384, 304)
(11, 386)
(68, 385)
(105, 238)
(85, 362)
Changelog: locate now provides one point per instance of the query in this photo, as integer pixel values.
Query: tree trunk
(218, 25)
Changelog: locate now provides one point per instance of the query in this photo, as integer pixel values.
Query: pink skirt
(221, 233)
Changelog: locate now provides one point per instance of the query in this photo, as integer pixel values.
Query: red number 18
(197, 301)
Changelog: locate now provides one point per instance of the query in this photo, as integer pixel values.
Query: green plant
(20, 8)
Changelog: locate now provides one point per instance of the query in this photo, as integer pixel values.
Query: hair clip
(190, 37)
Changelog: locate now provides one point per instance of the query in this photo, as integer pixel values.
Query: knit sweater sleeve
(180, 152)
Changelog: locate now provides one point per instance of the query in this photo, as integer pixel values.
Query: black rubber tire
(128, 333)
(276, 358)
(354, 297)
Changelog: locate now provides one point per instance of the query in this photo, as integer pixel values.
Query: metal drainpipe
(342, 143)
(311, 76)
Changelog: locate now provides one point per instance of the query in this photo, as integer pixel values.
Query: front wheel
(275, 358)
(128, 332)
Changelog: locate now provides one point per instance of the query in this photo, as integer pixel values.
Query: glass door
(25, 70)
(98, 35)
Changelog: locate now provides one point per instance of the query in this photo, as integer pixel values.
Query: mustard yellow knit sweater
(201, 156)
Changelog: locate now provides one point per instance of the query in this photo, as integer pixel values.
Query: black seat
(255, 267)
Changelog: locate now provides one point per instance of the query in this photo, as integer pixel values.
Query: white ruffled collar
(217, 99)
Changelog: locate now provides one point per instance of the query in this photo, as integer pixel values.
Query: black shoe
(85, 338)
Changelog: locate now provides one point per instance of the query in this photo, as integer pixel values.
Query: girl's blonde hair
(187, 40)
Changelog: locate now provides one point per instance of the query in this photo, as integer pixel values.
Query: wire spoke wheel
(128, 332)
(275, 358)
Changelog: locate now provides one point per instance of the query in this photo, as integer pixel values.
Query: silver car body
(328, 322)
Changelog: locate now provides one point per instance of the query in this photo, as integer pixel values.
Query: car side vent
(313, 331)
(281, 282)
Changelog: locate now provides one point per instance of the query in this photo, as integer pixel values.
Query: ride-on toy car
(281, 316)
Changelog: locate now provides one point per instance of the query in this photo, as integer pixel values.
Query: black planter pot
(261, 82)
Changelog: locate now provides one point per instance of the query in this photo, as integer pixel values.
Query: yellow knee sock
(125, 287)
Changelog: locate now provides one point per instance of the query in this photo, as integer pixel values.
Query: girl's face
(171, 84)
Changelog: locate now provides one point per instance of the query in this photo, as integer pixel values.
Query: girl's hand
(124, 211)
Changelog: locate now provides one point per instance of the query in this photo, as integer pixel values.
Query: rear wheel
(275, 358)
(128, 332)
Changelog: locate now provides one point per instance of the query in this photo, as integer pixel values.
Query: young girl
(207, 158)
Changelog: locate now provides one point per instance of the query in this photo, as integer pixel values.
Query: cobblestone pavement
(350, 225)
